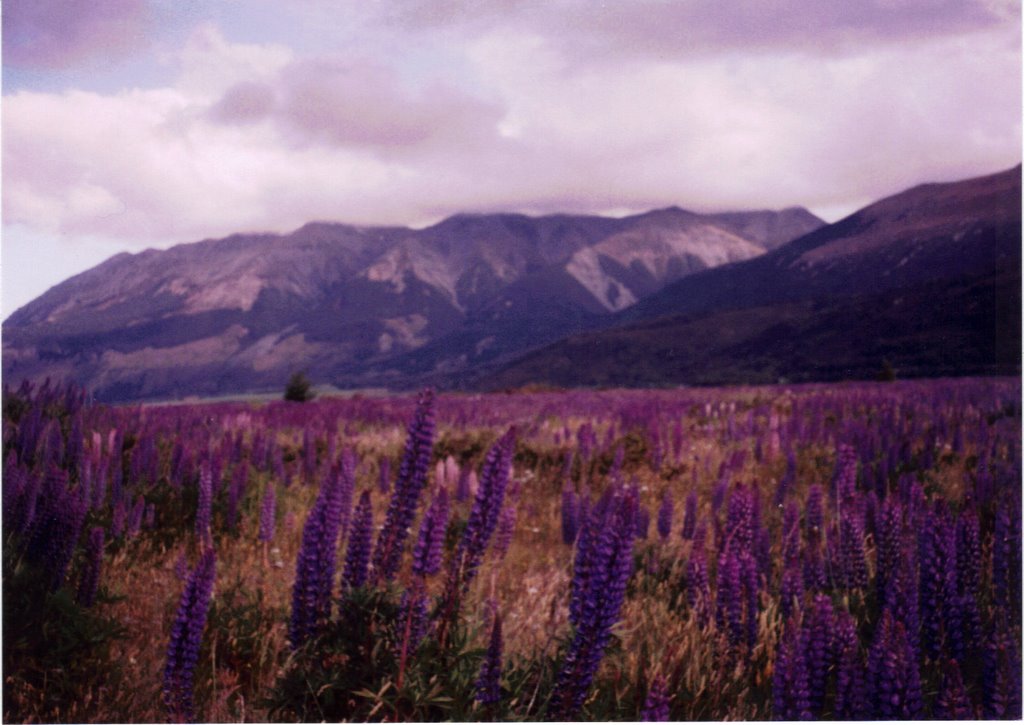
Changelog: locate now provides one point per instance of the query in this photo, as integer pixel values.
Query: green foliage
(60, 650)
(887, 373)
(299, 389)
(354, 671)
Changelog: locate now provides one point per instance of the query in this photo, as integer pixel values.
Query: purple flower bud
(268, 513)
(186, 638)
(412, 478)
(665, 515)
(895, 681)
(690, 515)
(570, 516)
(204, 509)
(357, 556)
(791, 697)
(953, 702)
(598, 589)
(656, 703)
(89, 582)
(488, 684)
(506, 529)
(314, 569)
(426, 557)
(851, 697)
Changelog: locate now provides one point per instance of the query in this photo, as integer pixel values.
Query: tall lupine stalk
(488, 684)
(665, 515)
(604, 563)
(314, 569)
(689, 516)
(570, 515)
(893, 674)
(791, 696)
(89, 582)
(426, 556)
(186, 638)
(483, 519)
(357, 555)
(204, 508)
(412, 478)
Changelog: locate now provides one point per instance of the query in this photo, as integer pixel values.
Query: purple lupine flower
(488, 684)
(787, 481)
(851, 537)
(1006, 558)
(204, 509)
(483, 518)
(968, 551)
(739, 520)
(570, 516)
(791, 697)
(413, 617)
(134, 524)
(937, 587)
(729, 603)
(953, 702)
(851, 697)
(89, 582)
(426, 556)
(815, 578)
(655, 707)
(506, 529)
(698, 589)
(56, 527)
(791, 590)
(186, 638)
(1001, 673)
(814, 518)
(818, 635)
(357, 556)
(599, 587)
(412, 478)
(844, 478)
(314, 569)
(665, 515)
(889, 544)
(894, 678)
(268, 513)
(689, 515)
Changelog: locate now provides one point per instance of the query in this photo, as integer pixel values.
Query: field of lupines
(807, 552)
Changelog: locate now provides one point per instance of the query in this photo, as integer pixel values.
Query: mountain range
(928, 280)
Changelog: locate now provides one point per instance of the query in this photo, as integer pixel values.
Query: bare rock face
(361, 306)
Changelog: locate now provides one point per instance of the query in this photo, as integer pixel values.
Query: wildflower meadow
(847, 551)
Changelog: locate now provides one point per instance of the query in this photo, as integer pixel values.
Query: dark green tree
(887, 373)
(299, 389)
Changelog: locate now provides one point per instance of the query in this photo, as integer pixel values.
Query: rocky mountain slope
(928, 280)
(364, 306)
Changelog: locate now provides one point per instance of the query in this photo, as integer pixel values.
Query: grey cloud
(56, 34)
(615, 31)
(359, 105)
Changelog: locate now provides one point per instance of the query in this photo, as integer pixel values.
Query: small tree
(299, 388)
(887, 373)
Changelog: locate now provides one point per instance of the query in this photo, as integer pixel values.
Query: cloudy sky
(129, 124)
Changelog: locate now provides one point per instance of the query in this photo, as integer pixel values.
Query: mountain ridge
(349, 303)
